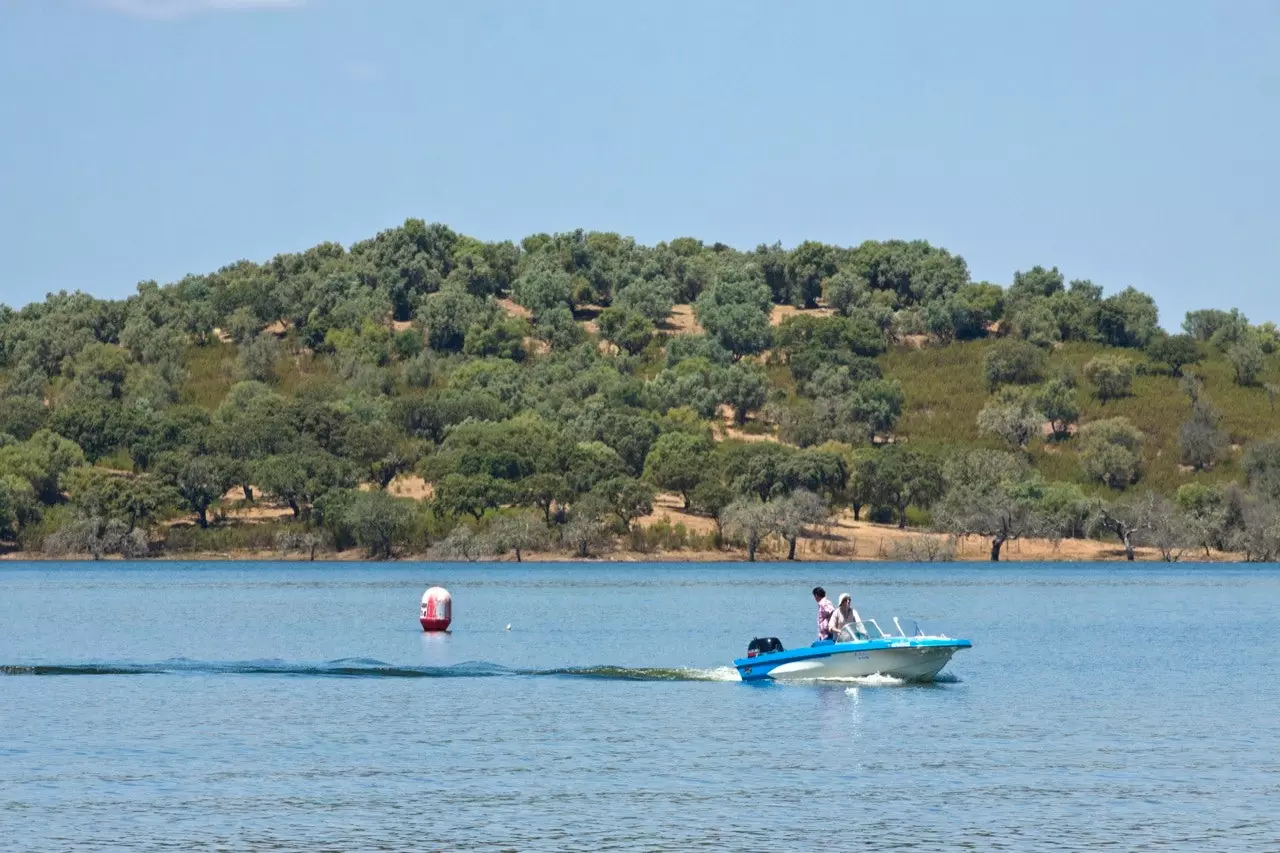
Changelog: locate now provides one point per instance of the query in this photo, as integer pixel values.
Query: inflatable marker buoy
(437, 609)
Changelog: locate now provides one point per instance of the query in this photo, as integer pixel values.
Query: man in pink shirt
(825, 609)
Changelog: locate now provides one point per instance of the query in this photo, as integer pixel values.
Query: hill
(425, 392)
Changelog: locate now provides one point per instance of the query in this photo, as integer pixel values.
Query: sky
(1131, 143)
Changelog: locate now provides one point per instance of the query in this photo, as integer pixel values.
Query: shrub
(1111, 375)
(1013, 362)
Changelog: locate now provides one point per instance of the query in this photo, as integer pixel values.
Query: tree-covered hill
(424, 390)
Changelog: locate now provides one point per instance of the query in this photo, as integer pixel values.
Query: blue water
(223, 706)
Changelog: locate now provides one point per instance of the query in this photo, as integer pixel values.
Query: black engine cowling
(763, 646)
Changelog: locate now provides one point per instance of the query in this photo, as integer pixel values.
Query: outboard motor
(763, 646)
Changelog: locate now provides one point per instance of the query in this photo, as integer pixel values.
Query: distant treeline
(542, 393)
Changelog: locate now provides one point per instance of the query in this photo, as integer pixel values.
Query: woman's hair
(819, 592)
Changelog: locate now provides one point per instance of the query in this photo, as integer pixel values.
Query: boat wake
(367, 668)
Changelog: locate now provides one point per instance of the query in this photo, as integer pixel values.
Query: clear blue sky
(1133, 143)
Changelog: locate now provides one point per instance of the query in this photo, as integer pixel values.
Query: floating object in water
(437, 609)
(508, 627)
(853, 654)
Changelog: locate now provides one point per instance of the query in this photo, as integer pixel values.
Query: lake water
(225, 706)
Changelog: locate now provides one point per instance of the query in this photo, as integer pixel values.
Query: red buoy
(437, 609)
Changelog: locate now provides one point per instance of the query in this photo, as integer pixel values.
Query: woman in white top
(844, 614)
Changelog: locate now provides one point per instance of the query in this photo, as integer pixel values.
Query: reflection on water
(272, 707)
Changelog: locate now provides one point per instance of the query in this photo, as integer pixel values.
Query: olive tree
(1111, 375)
(1012, 416)
(1111, 452)
(992, 494)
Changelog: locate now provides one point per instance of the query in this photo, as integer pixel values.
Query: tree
(1174, 351)
(749, 520)
(1201, 440)
(459, 494)
(1247, 361)
(735, 312)
(378, 522)
(1127, 519)
(1128, 319)
(96, 536)
(199, 481)
(746, 390)
(110, 495)
(1013, 362)
(1111, 451)
(305, 541)
(18, 505)
(461, 543)
(542, 290)
(22, 417)
(1261, 465)
(1057, 400)
(1258, 537)
(516, 533)
(630, 331)
(1202, 325)
(586, 531)
(300, 478)
(1111, 375)
(678, 462)
(1011, 416)
(898, 478)
(446, 316)
(42, 460)
(794, 513)
(626, 498)
(258, 357)
(992, 494)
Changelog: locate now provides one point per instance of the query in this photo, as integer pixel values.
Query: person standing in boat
(844, 614)
(824, 613)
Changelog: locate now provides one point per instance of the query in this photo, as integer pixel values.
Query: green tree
(1128, 319)
(1013, 362)
(750, 521)
(379, 522)
(446, 316)
(897, 477)
(200, 481)
(1261, 465)
(1202, 440)
(42, 460)
(677, 463)
(794, 513)
(1247, 361)
(735, 312)
(992, 494)
(626, 497)
(1174, 351)
(1111, 452)
(459, 494)
(300, 478)
(18, 505)
(1012, 416)
(516, 533)
(1111, 375)
(1057, 400)
(630, 331)
(745, 389)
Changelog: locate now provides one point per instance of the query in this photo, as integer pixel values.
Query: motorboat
(861, 649)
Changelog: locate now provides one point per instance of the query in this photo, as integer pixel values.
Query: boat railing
(861, 632)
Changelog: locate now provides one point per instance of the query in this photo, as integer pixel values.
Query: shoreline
(1106, 553)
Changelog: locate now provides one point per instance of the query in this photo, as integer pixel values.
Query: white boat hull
(908, 664)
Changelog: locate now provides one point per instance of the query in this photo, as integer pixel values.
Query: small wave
(366, 668)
